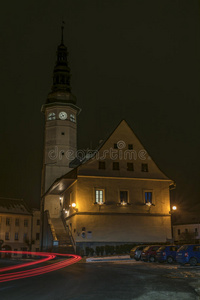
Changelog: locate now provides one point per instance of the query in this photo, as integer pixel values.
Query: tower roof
(61, 88)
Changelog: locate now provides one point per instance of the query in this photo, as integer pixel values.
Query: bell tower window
(72, 118)
(51, 116)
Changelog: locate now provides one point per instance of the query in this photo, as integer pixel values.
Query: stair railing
(68, 230)
(53, 232)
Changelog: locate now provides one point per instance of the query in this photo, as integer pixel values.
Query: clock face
(63, 115)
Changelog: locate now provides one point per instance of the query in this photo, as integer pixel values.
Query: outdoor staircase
(64, 242)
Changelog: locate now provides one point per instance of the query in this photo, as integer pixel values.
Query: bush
(91, 251)
(98, 250)
(117, 249)
(87, 251)
(112, 250)
(107, 249)
(102, 250)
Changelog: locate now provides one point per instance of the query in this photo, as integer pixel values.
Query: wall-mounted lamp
(74, 206)
(173, 209)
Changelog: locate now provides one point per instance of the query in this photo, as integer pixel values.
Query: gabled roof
(123, 134)
(14, 206)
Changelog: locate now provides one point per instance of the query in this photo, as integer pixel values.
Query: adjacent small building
(186, 233)
(19, 225)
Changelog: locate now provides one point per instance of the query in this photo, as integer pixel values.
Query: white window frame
(102, 193)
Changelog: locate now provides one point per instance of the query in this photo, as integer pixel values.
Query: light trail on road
(70, 259)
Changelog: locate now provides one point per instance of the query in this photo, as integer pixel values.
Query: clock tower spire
(60, 110)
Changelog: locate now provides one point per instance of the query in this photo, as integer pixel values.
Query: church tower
(60, 110)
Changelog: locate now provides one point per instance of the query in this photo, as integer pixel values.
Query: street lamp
(173, 209)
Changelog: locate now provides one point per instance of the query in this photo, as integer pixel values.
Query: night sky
(137, 60)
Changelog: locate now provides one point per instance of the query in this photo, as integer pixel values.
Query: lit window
(51, 116)
(16, 236)
(99, 196)
(16, 222)
(123, 197)
(148, 198)
(115, 166)
(8, 221)
(7, 236)
(72, 118)
(130, 167)
(102, 165)
(25, 223)
(144, 168)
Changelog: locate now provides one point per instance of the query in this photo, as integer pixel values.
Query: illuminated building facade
(114, 195)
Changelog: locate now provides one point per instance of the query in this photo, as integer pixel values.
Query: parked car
(136, 252)
(149, 253)
(167, 253)
(188, 254)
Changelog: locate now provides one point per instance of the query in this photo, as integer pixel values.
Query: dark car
(149, 253)
(167, 253)
(136, 252)
(188, 254)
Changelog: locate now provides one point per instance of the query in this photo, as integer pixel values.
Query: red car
(149, 253)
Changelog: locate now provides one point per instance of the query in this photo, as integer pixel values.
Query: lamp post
(173, 209)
